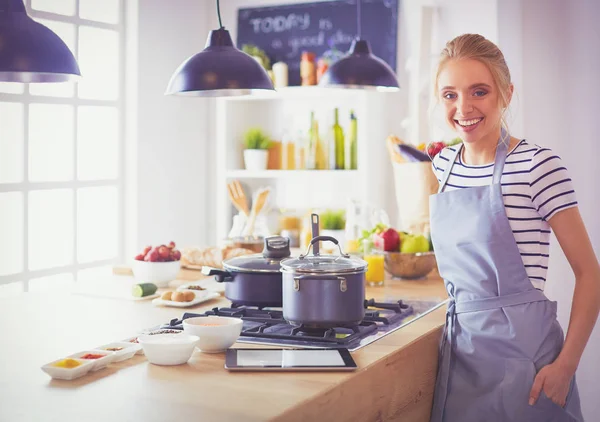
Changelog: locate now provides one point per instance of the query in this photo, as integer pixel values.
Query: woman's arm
(573, 238)
(575, 243)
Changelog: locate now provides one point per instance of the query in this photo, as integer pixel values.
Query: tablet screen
(288, 359)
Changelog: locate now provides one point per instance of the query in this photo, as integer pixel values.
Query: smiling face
(471, 100)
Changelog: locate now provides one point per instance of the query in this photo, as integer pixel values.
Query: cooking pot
(324, 290)
(254, 280)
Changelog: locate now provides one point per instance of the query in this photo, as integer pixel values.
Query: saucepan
(254, 280)
(324, 290)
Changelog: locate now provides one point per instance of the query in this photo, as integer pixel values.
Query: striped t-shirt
(535, 186)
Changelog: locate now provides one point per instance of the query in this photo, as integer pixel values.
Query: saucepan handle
(323, 239)
(342, 280)
(220, 275)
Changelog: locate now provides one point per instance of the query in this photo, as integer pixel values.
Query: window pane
(99, 63)
(97, 143)
(11, 289)
(102, 11)
(50, 228)
(11, 142)
(62, 7)
(51, 283)
(50, 142)
(97, 223)
(12, 87)
(11, 229)
(66, 32)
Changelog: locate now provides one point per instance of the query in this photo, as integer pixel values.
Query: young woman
(503, 355)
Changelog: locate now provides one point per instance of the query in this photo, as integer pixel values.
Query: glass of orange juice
(375, 271)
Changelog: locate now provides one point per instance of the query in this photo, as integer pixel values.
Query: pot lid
(323, 264)
(276, 249)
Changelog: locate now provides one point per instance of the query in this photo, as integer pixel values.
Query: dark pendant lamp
(360, 69)
(29, 51)
(219, 70)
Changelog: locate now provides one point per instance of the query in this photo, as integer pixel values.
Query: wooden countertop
(394, 380)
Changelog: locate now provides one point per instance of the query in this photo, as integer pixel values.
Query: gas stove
(267, 325)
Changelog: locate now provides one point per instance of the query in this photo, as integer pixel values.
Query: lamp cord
(219, 15)
(358, 25)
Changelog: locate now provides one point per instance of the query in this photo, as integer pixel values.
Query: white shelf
(289, 174)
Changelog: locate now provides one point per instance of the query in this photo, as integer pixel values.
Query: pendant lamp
(360, 69)
(29, 51)
(219, 70)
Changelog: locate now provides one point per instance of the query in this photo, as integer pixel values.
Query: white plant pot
(256, 159)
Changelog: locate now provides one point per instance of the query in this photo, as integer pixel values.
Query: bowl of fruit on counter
(157, 264)
(406, 255)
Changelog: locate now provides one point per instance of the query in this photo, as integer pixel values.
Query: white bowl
(159, 273)
(98, 363)
(68, 373)
(168, 349)
(216, 333)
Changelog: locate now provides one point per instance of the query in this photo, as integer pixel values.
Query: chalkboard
(328, 27)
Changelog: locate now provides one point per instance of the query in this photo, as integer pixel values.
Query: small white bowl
(168, 349)
(159, 273)
(98, 363)
(216, 333)
(68, 373)
(126, 352)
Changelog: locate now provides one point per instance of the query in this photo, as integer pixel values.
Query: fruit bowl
(159, 273)
(409, 266)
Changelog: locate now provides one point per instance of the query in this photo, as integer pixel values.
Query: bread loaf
(210, 257)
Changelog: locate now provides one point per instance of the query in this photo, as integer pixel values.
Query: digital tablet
(289, 360)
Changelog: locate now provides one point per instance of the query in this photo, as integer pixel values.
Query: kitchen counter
(394, 380)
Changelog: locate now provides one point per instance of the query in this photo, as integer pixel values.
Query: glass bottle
(351, 162)
(337, 139)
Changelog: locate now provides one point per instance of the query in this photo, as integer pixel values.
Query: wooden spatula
(238, 197)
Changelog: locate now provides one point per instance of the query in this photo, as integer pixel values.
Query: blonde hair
(477, 47)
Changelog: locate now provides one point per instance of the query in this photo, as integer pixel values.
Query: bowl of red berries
(157, 264)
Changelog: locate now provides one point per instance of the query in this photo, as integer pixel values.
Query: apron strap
(451, 161)
(500, 158)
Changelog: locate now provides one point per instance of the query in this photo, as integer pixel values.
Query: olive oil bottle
(338, 142)
(351, 146)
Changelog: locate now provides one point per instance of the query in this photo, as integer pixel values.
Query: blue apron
(500, 330)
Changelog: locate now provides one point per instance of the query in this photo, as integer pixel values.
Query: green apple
(414, 243)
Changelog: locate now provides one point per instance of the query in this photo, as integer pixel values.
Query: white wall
(172, 131)
(561, 60)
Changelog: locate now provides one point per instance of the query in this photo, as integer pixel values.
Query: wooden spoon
(257, 206)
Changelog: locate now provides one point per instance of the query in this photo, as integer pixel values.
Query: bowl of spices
(68, 369)
(100, 358)
(121, 350)
(216, 333)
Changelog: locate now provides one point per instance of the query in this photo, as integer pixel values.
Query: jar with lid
(308, 69)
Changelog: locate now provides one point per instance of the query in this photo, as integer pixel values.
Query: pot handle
(323, 238)
(342, 280)
(220, 275)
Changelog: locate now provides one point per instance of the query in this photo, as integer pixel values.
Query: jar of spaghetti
(308, 69)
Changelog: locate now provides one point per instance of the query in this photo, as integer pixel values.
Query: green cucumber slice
(144, 289)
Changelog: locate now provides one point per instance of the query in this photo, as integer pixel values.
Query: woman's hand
(554, 380)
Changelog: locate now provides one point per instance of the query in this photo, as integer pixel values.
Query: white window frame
(25, 187)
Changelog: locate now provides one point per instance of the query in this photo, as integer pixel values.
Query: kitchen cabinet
(287, 113)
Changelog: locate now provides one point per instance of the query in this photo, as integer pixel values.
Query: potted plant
(256, 153)
(333, 223)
